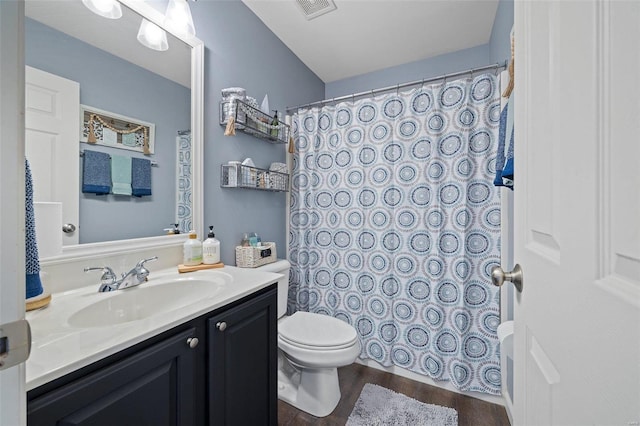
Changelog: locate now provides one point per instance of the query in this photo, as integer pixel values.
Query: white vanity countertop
(59, 348)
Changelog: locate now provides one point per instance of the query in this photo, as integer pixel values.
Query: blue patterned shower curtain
(395, 226)
(184, 213)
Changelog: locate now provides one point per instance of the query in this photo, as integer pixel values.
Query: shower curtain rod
(399, 86)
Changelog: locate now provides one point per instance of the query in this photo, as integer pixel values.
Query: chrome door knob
(222, 326)
(192, 342)
(498, 277)
(68, 228)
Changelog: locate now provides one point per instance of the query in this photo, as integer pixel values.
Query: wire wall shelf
(251, 120)
(240, 176)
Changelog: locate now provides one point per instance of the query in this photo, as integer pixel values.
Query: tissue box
(252, 257)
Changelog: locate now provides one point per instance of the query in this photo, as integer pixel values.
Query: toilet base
(312, 390)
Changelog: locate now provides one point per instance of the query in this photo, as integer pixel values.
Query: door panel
(52, 121)
(577, 321)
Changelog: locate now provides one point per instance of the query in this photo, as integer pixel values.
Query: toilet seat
(317, 341)
(319, 332)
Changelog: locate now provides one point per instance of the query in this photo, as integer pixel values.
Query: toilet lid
(317, 331)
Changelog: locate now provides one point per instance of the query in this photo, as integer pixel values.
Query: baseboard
(424, 379)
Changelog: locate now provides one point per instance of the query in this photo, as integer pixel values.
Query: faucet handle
(141, 272)
(108, 275)
(142, 262)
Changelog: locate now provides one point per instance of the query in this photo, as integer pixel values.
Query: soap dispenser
(192, 250)
(211, 249)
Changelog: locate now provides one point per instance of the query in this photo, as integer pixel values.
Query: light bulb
(152, 36)
(106, 8)
(178, 18)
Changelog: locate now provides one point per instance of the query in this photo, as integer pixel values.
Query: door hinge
(15, 343)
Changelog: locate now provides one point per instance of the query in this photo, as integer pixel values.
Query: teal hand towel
(121, 175)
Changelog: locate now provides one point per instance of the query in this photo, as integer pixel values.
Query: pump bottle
(211, 249)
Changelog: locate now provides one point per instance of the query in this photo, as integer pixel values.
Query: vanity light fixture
(106, 8)
(178, 18)
(152, 36)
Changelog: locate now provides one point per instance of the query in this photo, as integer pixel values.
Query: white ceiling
(116, 36)
(362, 36)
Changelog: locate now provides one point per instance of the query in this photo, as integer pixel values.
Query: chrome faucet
(110, 282)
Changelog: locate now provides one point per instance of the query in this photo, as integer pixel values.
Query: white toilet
(310, 348)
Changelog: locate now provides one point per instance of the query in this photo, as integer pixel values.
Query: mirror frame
(92, 250)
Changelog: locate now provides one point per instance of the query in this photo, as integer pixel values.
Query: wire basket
(241, 176)
(252, 257)
(253, 121)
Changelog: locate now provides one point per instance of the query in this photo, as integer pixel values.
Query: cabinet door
(243, 354)
(153, 387)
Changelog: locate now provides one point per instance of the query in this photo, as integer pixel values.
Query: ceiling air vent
(314, 8)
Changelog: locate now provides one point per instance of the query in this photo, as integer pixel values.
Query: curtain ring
(398, 89)
(372, 95)
(422, 87)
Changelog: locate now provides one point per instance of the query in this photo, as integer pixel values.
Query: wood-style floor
(471, 411)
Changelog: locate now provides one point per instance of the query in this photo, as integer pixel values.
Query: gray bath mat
(378, 406)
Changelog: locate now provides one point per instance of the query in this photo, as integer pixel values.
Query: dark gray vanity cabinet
(243, 364)
(153, 387)
(227, 378)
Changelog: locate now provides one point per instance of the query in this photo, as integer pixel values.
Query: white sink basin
(144, 301)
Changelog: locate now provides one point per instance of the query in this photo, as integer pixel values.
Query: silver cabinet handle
(221, 326)
(498, 277)
(192, 342)
(68, 228)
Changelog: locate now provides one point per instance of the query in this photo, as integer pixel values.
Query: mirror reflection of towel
(96, 172)
(140, 177)
(121, 175)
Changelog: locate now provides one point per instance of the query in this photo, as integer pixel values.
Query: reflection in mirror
(115, 74)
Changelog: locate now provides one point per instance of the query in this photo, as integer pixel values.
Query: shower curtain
(395, 226)
(184, 214)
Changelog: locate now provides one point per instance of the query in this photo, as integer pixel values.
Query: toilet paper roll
(505, 336)
(48, 228)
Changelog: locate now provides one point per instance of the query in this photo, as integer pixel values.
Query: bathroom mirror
(111, 222)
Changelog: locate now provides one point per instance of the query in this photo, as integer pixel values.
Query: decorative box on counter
(252, 257)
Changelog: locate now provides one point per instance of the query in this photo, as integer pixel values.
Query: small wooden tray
(183, 268)
(38, 302)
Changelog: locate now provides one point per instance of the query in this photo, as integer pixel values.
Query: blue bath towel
(121, 175)
(500, 155)
(507, 171)
(140, 177)
(32, 262)
(96, 172)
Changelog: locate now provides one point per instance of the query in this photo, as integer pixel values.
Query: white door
(577, 212)
(52, 121)
(12, 251)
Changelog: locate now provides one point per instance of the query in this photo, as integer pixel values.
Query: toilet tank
(280, 266)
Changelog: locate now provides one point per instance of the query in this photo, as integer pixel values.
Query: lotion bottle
(211, 249)
(192, 250)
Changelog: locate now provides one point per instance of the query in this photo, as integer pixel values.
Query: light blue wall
(500, 43)
(432, 67)
(109, 83)
(242, 51)
(497, 50)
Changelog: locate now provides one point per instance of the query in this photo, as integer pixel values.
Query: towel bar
(153, 163)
